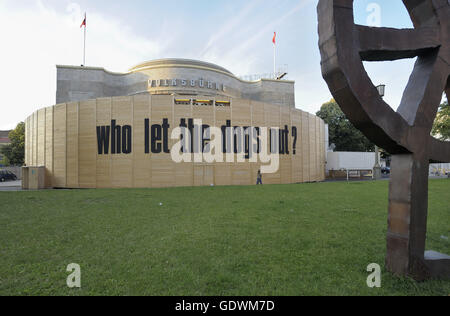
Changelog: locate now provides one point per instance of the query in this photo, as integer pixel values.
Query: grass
(305, 239)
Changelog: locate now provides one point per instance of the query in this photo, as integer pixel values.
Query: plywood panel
(272, 115)
(223, 113)
(223, 174)
(103, 167)
(285, 158)
(163, 171)
(318, 147)
(254, 172)
(272, 120)
(241, 112)
(162, 105)
(122, 163)
(285, 118)
(323, 149)
(49, 136)
(312, 148)
(203, 175)
(198, 175)
(162, 166)
(184, 174)
(204, 112)
(72, 145)
(209, 174)
(29, 142)
(27, 135)
(241, 174)
(182, 111)
(87, 144)
(285, 170)
(121, 173)
(297, 167)
(272, 178)
(141, 165)
(258, 118)
(35, 139)
(305, 147)
(59, 146)
(41, 138)
(32, 140)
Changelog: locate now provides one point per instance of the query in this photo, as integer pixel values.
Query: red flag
(274, 38)
(84, 22)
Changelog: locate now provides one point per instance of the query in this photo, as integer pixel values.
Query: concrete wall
(63, 138)
(76, 84)
(16, 170)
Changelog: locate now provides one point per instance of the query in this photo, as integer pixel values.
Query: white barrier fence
(439, 169)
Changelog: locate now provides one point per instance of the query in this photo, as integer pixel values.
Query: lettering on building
(192, 83)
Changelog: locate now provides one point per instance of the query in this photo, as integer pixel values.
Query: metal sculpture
(405, 133)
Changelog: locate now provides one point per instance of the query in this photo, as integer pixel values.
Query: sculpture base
(406, 235)
(438, 264)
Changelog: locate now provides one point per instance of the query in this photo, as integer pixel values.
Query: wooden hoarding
(65, 140)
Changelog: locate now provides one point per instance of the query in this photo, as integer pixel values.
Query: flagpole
(84, 48)
(274, 54)
(274, 60)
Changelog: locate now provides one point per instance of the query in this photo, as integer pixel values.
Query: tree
(441, 127)
(15, 152)
(341, 131)
(5, 161)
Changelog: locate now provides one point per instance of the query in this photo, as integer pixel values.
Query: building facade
(116, 130)
(168, 76)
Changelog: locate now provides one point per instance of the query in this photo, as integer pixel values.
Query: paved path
(439, 177)
(11, 186)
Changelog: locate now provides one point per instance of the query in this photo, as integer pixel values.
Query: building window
(183, 101)
(203, 102)
(223, 103)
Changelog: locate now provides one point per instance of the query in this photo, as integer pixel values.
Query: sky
(37, 35)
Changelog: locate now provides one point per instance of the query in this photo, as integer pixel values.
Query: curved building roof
(178, 62)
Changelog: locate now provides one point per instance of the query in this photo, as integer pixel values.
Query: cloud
(231, 26)
(37, 37)
(268, 28)
(40, 35)
(239, 44)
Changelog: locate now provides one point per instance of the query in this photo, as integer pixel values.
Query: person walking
(259, 179)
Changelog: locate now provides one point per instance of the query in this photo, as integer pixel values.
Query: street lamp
(377, 168)
(381, 89)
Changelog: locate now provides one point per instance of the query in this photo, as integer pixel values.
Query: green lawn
(304, 239)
